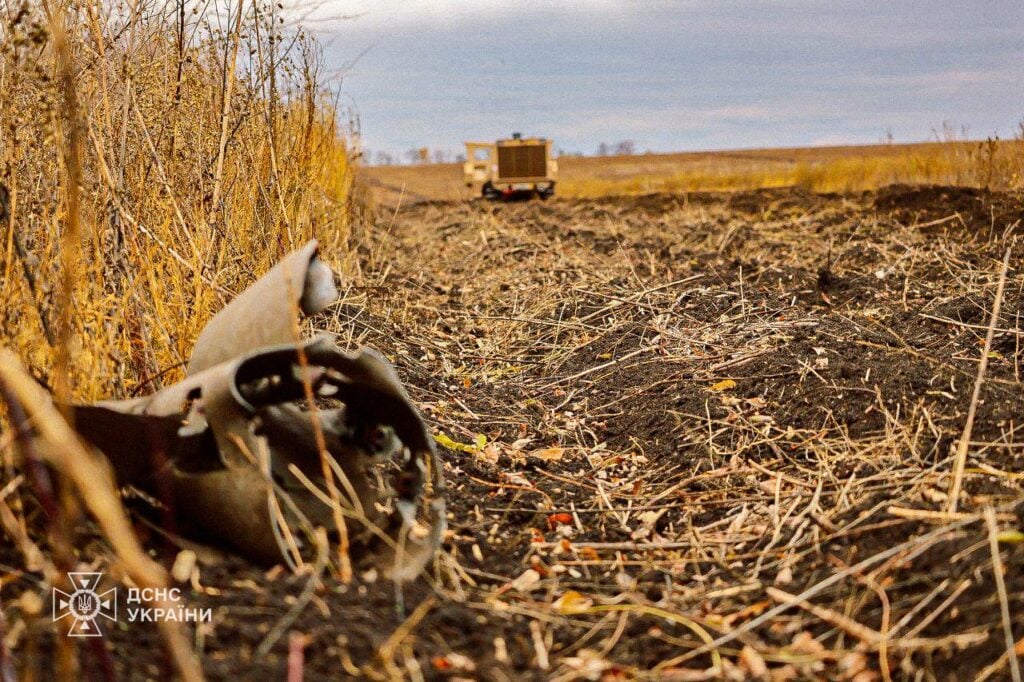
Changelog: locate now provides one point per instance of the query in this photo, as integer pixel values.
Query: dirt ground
(687, 437)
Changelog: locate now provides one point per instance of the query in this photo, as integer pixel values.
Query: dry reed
(155, 156)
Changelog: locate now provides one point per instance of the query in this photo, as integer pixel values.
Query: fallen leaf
(491, 453)
(549, 454)
(560, 519)
(1011, 537)
(446, 442)
(573, 602)
(473, 448)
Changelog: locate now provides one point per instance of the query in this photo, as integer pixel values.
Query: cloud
(431, 14)
(679, 75)
(941, 81)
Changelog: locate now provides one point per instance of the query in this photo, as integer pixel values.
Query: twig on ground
(1004, 601)
(960, 462)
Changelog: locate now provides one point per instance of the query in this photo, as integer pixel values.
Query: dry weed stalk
(92, 479)
(960, 461)
(147, 173)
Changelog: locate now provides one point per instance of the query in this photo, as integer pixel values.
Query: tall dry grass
(992, 164)
(155, 156)
(159, 154)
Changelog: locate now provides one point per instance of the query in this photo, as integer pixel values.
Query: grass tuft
(157, 158)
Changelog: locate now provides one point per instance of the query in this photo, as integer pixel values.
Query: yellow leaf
(480, 441)
(723, 385)
(446, 442)
(548, 454)
(1011, 537)
(572, 602)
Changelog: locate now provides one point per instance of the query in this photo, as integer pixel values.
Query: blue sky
(676, 75)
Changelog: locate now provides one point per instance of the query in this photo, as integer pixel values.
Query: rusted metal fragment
(265, 313)
(232, 449)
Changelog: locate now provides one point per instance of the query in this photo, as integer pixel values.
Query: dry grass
(690, 437)
(154, 157)
(153, 172)
(709, 437)
(997, 165)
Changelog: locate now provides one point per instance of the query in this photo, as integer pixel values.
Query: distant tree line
(425, 155)
(621, 148)
(413, 156)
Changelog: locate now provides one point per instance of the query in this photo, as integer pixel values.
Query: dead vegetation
(992, 164)
(989, 164)
(705, 436)
(153, 156)
(157, 154)
(761, 435)
(714, 436)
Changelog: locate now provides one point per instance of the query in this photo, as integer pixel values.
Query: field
(993, 164)
(697, 436)
(709, 432)
(735, 415)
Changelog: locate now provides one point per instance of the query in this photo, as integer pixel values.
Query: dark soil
(750, 381)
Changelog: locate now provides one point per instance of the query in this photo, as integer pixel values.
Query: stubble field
(689, 436)
(715, 431)
(753, 414)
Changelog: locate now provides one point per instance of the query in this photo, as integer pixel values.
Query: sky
(675, 75)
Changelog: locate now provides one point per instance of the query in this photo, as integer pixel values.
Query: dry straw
(155, 156)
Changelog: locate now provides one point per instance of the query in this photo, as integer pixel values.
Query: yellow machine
(507, 168)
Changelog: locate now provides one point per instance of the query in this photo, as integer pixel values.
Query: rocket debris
(232, 450)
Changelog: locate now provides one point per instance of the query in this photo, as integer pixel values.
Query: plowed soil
(686, 437)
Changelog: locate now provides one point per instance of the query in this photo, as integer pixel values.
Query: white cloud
(430, 14)
(676, 74)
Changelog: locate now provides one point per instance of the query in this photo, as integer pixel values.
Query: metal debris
(231, 451)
